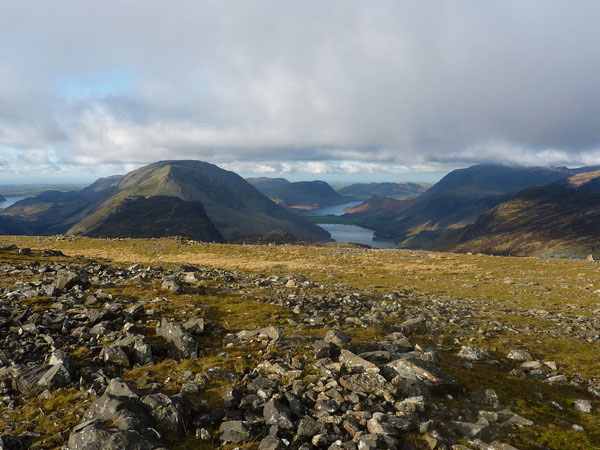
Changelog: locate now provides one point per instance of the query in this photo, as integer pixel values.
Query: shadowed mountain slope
(54, 212)
(300, 194)
(561, 218)
(158, 216)
(459, 199)
(266, 185)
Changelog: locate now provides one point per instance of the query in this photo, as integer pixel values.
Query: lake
(355, 234)
(10, 201)
(348, 233)
(336, 210)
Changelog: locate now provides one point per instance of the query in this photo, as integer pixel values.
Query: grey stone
(322, 349)
(171, 285)
(118, 388)
(320, 440)
(232, 398)
(89, 435)
(519, 355)
(584, 406)
(472, 353)
(233, 431)
(275, 413)
(137, 347)
(382, 424)
(121, 405)
(415, 325)
(354, 363)
(66, 279)
(116, 356)
(56, 377)
(472, 430)
(271, 443)
(194, 326)
(96, 436)
(27, 382)
(338, 338)
(418, 370)
(270, 332)
(10, 442)
(368, 383)
(185, 346)
(166, 411)
(307, 426)
(508, 417)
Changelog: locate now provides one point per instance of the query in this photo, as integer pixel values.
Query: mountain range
(484, 208)
(559, 218)
(477, 208)
(154, 201)
(300, 194)
(400, 189)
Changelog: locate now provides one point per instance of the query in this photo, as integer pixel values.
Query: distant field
(30, 190)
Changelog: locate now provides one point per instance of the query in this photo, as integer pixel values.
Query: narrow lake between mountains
(10, 201)
(348, 233)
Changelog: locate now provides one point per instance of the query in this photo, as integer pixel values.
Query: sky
(309, 89)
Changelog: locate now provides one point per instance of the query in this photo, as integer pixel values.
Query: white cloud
(306, 87)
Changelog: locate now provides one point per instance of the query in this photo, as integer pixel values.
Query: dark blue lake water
(10, 201)
(348, 233)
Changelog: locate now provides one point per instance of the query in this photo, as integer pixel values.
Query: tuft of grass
(53, 418)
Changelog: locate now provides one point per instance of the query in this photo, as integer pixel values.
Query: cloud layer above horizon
(307, 86)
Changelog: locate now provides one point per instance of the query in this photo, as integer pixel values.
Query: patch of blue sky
(98, 85)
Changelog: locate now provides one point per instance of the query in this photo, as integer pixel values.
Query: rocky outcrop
(315, 378)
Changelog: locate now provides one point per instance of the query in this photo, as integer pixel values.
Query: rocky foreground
(97, 356)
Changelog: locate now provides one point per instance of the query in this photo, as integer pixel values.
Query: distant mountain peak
(232, 205)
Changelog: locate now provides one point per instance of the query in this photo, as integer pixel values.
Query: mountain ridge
(300, 194)
(399, 189)
(561, 217)
(232, 205)
(457, 200)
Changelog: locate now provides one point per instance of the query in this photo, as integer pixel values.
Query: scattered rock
(472, 353)
(584, 406)
(519, 355)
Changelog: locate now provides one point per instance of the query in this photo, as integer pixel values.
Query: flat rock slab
(368, 383)
(354, 363)
(416, 369)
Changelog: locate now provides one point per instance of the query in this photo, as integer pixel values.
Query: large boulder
(182, 344)
(415, 369)
(165, 410)
(37, 379)
(120, 405)
(368, 383)
(93, 435)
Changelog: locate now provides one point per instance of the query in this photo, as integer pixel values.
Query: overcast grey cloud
(297, 87)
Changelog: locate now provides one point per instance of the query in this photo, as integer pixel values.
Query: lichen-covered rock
(234, 432)
(354, 363)
(275, 413)
(183, 344)
(165, 411)
(472, 353)
(338, 338)
(368, 383)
